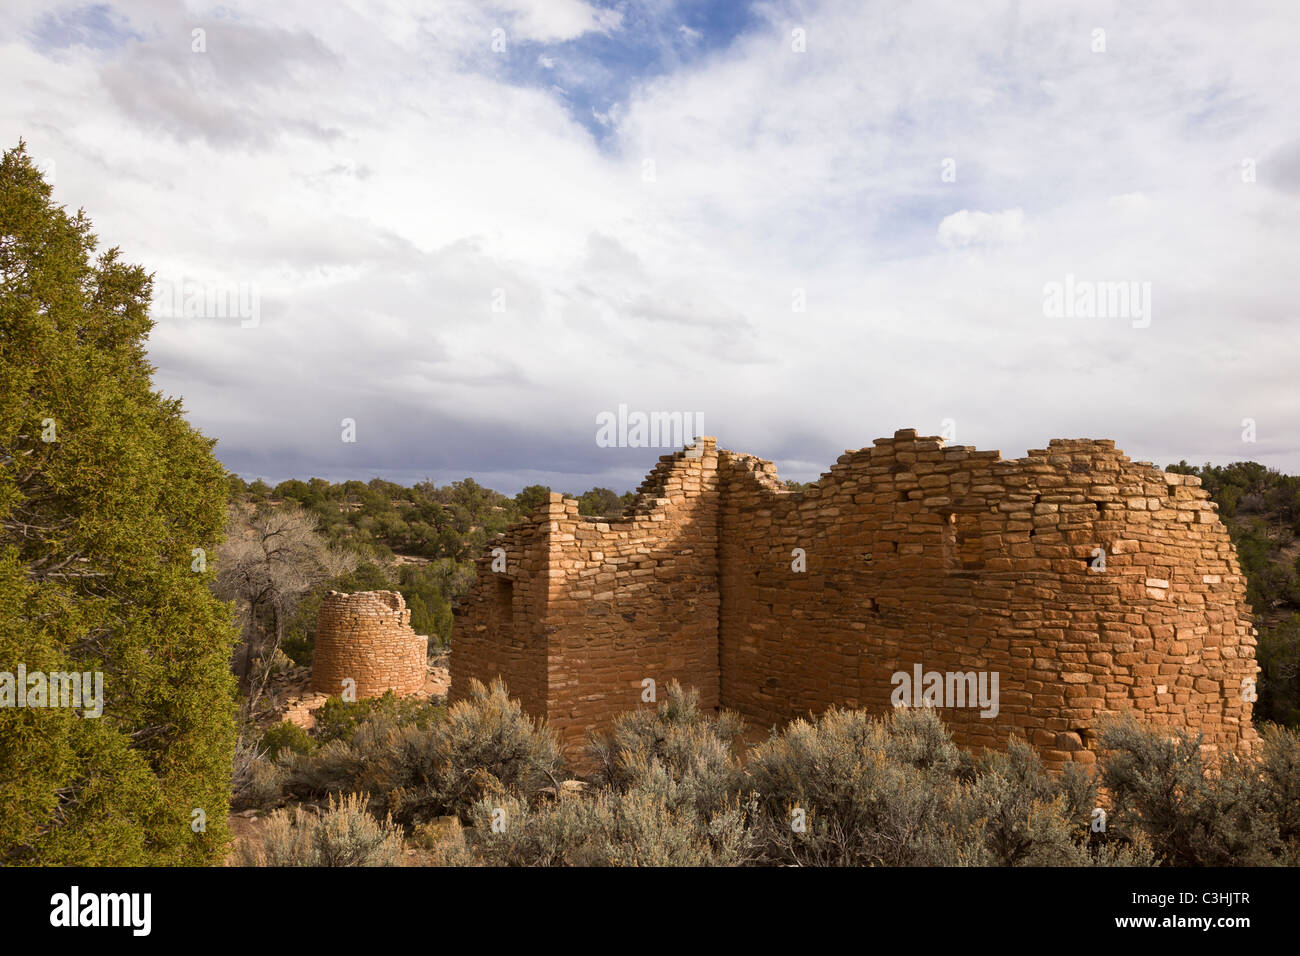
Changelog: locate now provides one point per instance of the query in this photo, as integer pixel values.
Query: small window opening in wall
(506, 596)
(963, 543)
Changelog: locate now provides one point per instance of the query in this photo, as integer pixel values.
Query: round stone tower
(367, 637)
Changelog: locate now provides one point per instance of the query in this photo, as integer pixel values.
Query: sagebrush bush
(254, 779)
(845, 788)
(482, 745)
(678, 751)
(487, 743)
(332, 768)
(1279, 766)
(1022, 816)
(261, 786)
(608, 828)
(346, 834)
(850, 790)
(1236, 813)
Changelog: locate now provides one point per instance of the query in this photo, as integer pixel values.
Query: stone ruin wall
(916, 553)
(599, 606)
(958, 560)
(501, 624)
(367, 636)
(635, 599)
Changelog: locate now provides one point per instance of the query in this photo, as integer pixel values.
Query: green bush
(344, 835)
(338, 719)
(287, 736)
(1278, 653)
(427, 591)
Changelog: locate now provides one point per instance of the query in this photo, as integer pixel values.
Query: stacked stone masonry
(367, 637)
(913, 553)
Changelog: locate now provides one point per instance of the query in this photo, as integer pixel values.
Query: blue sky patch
(594, 74)
(96, 26)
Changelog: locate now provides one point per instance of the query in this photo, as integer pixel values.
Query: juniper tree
(106, 492)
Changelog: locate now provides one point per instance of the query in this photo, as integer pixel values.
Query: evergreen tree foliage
(106, 492)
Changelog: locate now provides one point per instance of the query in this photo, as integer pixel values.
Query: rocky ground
(291, 698)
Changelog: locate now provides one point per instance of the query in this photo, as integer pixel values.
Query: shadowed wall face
(367, 637)
(600, 608)
(1082, 583)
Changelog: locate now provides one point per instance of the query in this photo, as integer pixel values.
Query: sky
(439, 240)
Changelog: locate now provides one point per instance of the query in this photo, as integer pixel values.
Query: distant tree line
(1261, 508)
(359, 536)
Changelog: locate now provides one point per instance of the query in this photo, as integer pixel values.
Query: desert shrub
(260, 787)
(1026, 817)
(683, 759)
(1193, 817)
(486, 741)
(333, 768)
(441, 842)
(848, 789)
(287, 736)
(1279, 766)
(918, 739)
(608, 828)
(680, 752)
(338, 719)
(1018, 812)
(481, 746)
(256, 782)
(344, 835)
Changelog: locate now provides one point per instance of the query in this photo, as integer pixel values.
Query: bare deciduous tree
(272, 556)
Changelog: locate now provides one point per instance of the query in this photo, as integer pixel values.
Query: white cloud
(552, 20)
(372, 171)
(966, 228)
